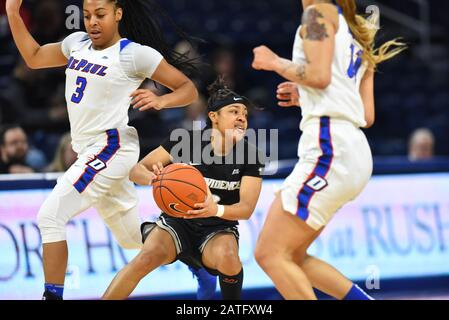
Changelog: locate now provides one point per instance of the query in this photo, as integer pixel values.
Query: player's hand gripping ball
(178, 188)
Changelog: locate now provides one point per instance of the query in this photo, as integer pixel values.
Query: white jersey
(341, 99)
(99, 84)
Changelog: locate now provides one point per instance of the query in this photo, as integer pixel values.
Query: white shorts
(99, 179)
(335, 164)
(105, 166)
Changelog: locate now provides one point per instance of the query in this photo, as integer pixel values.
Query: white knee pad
(125, 226)
(63, 204)
(51, 227)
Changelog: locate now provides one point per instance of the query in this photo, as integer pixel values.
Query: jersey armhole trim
(124, 43)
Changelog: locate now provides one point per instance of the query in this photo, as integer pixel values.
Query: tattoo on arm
(314, 30)
(300, 70)
(286, 65)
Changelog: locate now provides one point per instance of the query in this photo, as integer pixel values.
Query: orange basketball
(178, 188)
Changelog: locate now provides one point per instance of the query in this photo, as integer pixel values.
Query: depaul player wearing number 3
(105, 68)
(333, 67)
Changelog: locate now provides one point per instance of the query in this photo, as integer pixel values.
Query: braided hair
(140, 23)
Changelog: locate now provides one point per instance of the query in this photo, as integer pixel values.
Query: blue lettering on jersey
(101, 72)
(86, 67)
(95, 68)
(82, 64)
(72, 63)
(69, 62)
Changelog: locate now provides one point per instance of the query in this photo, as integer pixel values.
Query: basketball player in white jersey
(333, 67)
(104, 72)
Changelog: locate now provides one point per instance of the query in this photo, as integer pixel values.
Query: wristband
(220, 211)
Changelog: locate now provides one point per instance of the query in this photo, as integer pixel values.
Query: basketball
(178, 188)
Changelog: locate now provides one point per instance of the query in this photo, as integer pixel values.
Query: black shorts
(190, 238)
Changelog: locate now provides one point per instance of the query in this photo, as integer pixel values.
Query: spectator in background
(33, 95)
(14, 149)
(223, 62)
(64, 157)
(421, 145)
(195, 112)
(48, 20)
(57, 111)
(8, 50)
(204, 70)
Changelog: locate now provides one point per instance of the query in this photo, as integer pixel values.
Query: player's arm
(144, 172)
(367, 93)
(249, 194)
(318, 31)
(35, 56)
(183, 90)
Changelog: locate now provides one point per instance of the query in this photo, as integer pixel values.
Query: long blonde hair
(364, 32)
(58, 164)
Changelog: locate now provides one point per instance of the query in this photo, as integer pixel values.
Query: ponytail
(364, 32)
(218, 90)
(140, 23)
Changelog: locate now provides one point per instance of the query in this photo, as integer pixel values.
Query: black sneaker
(50, 296)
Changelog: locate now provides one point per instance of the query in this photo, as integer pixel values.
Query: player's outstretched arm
(35, 56)
(318, 31)
(149, 167)
(367, 93)
(249, 194)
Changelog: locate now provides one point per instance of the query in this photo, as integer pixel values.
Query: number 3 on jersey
(354, 66)
(81, 82)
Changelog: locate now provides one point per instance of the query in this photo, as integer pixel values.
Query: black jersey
(223, 174)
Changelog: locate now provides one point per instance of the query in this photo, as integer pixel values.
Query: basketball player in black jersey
(208, 238)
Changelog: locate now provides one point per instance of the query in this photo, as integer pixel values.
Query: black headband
(232, 98)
